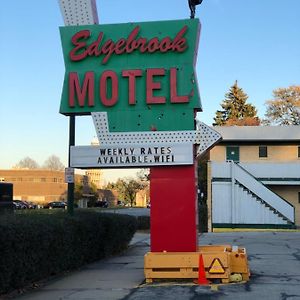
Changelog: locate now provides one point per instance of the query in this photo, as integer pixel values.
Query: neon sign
(141, 74)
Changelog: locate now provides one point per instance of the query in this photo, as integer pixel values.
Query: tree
(53, 163)
(127, 188)
(143, 175)
(27, 163)
(284, 109)
(235, 110)
(82, 191)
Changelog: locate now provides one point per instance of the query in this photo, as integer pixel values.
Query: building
(37, 185)
(95, 175)
(142, 198)
(254, 177)
(111, 196)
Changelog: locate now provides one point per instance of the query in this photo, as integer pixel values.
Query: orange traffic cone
(201, 272)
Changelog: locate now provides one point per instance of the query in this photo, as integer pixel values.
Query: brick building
(37, 185)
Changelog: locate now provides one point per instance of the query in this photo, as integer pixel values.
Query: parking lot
(274, 259)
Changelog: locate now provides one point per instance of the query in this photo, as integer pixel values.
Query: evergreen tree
(235, 110)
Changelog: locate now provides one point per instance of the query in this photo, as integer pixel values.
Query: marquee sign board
(141, 74)
(142, 155)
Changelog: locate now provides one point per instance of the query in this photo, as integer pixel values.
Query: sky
(255, 42)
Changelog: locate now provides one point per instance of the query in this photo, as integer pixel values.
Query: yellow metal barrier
(221, 262)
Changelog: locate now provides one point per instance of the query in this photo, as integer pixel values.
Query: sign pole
(75, 15)
(173, 209)
(71, 186)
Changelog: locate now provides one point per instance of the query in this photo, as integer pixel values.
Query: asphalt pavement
(274, 259)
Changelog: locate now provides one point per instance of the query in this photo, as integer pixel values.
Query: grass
(40, 211)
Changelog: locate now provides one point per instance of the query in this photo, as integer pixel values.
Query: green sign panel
(141, 74)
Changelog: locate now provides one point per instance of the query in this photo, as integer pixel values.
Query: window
(299, 197)
(263, 151)
(299, 151)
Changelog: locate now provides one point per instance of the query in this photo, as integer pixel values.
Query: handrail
(264, 193)
(264, 185)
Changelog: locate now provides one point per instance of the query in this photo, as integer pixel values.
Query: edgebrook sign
(141, 74)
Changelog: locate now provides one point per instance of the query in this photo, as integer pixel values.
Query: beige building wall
(218, 153)
(142, 197)
(291, 194)
(249, 153)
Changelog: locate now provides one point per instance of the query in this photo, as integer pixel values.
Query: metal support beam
(71, 185)
(76, 12)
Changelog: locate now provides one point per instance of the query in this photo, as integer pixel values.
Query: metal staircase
(239, 198)
(264, 213)
(276, 204)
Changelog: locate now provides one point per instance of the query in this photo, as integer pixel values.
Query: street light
(192, 5)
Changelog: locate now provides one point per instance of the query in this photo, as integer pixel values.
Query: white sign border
(131, 156)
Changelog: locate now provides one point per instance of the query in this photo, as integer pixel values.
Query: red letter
(79, 35)
(120, 43)
(151, 85)
(131, 38)
(93, 48)
(179, 43)
(75, 90)
(173, 88)
(140, 43)
(153, 45)
(114, 88)
(165, 44)
(108, 49)
(131, 74)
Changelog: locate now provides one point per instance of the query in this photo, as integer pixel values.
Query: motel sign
(141, 74)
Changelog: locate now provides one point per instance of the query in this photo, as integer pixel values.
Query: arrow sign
(204, 136)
